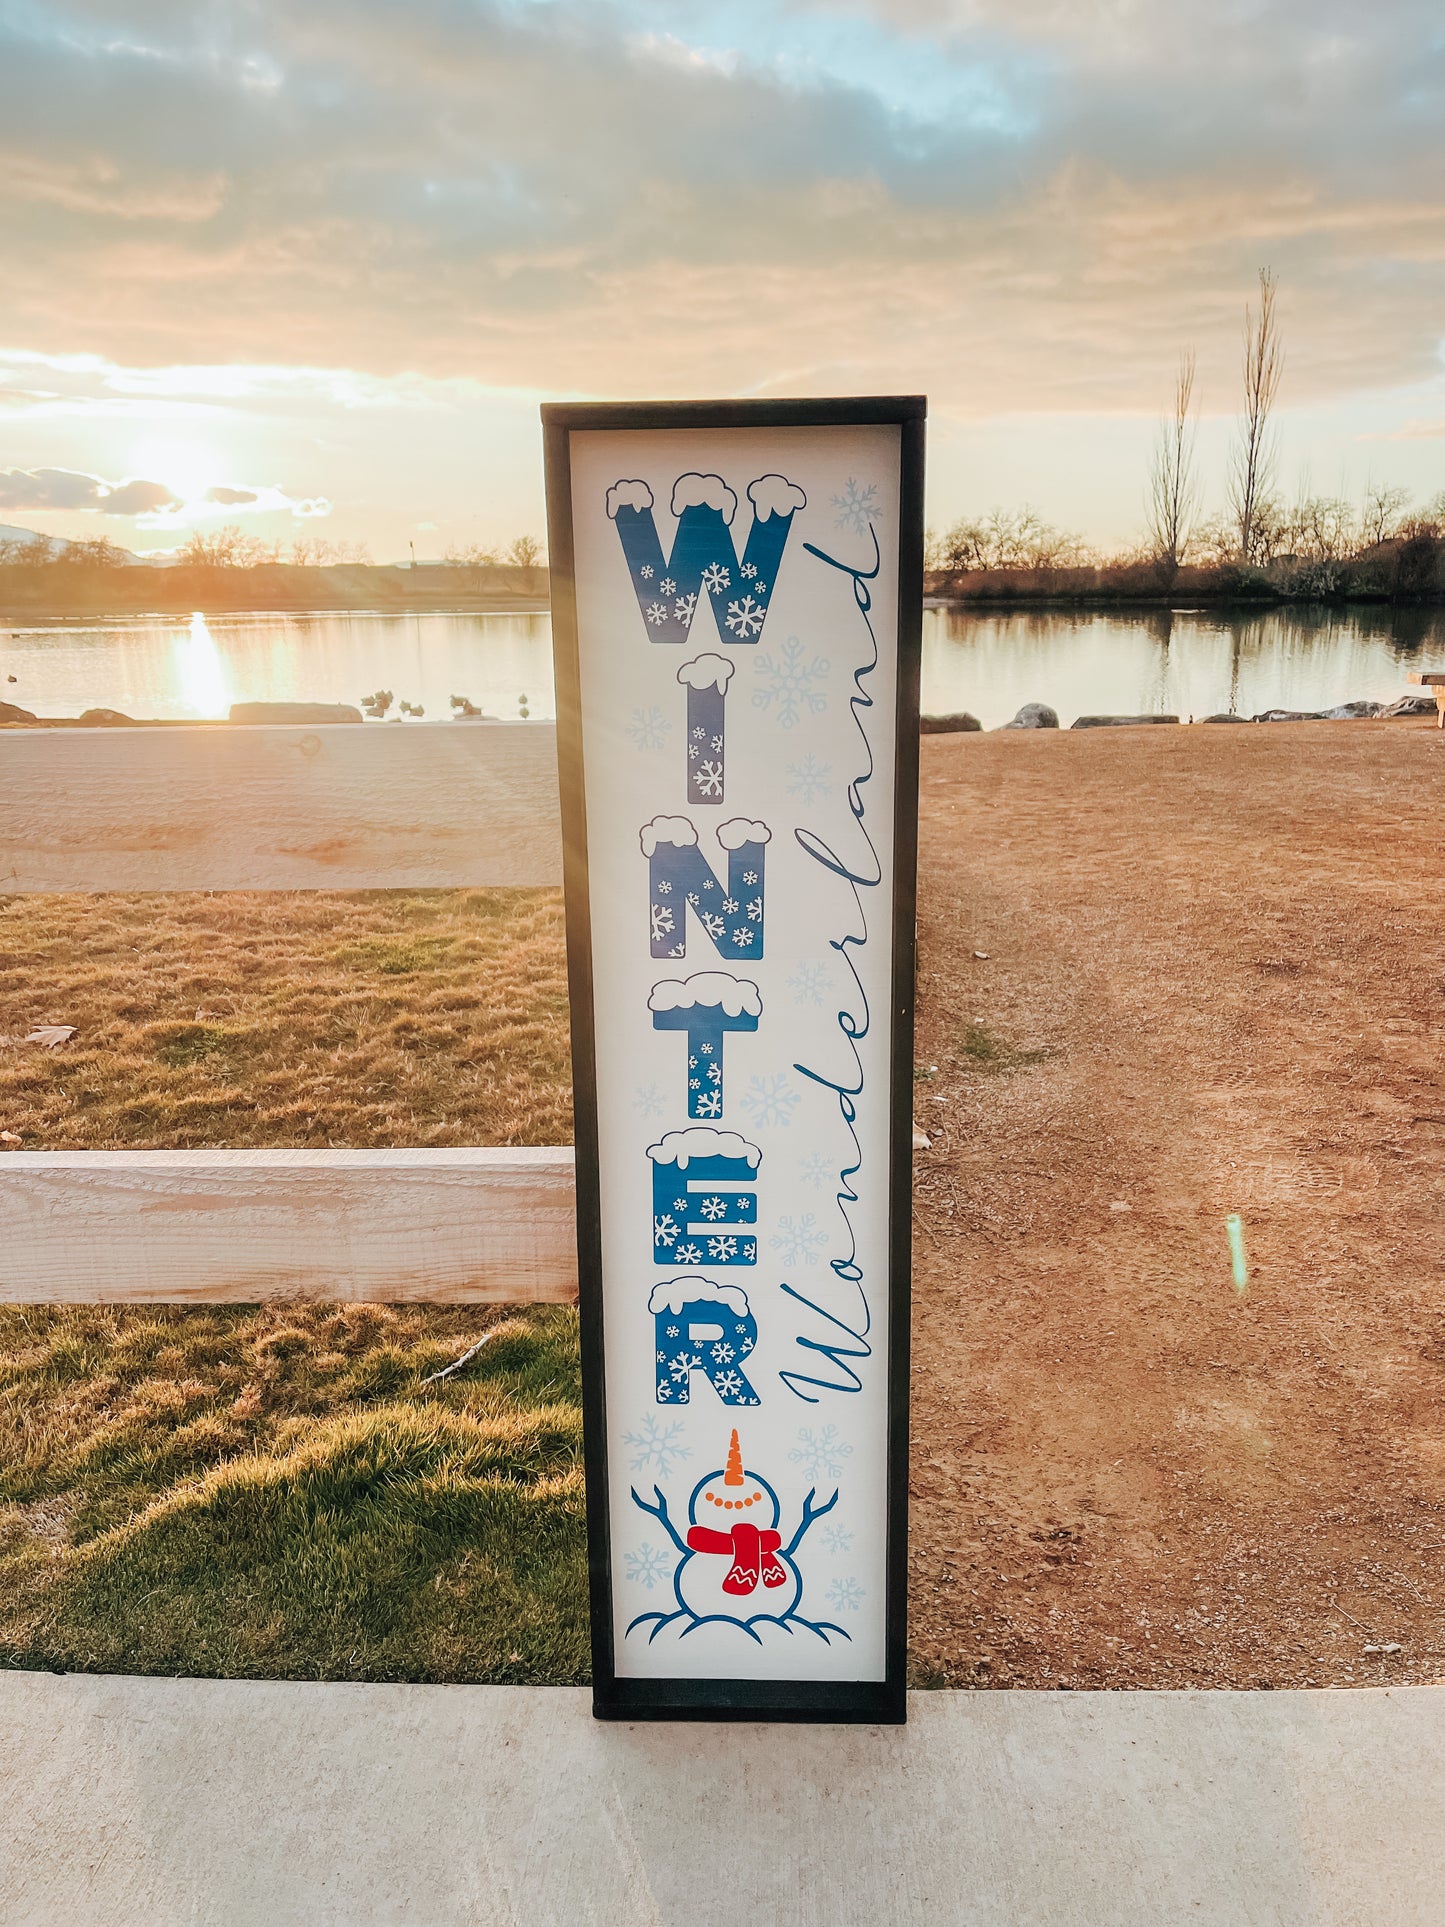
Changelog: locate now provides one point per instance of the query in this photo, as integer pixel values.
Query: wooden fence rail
(282, 808)
(214, 1227)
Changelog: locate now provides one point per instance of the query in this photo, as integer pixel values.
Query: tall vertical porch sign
(736, 592)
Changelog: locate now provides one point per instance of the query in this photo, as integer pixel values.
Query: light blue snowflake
(809, 982)
(821, 1453)
(648, 1101)
(856, 506)
(798, 1241)
(810, 779)
(649, 1565)
(655, 1448)
(816, 1172)
(846, 1595)
(770, 1100)
(837, 1538)
(790, 682)
(649, 729)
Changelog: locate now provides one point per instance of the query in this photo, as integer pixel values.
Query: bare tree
(1380, 516)
(1173, 496)
(1254, 455)
(525, 552)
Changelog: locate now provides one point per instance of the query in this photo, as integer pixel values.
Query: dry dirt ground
(1214, 983)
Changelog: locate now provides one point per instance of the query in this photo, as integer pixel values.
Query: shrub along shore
(88, 581)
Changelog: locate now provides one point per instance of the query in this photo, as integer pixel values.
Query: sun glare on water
(200, 673)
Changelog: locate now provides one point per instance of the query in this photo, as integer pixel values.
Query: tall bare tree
(1173, 497)
(1254, 452)
(1380, 516)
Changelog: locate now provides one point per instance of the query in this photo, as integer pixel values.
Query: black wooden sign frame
(872, 1700)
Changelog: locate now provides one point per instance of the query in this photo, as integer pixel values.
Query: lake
(1185, 662)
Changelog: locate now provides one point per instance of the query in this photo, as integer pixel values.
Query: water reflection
(201, 683)
(1179, 662)
(1182, 661)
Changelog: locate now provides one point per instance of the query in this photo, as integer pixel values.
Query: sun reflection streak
(200, 673)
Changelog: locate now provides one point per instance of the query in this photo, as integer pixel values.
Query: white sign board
(736, 594)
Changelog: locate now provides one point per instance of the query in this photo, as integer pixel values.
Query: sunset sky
(311, 267)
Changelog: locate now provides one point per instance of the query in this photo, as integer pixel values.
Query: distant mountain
(24, 538)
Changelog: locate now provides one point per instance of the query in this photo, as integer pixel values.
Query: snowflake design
(717, 743)
(664, 1231)
(664, 889)
(770, 1100)
(715, 579)
(662, 924)
(721, 1248)
(667, 586)
(656, 614)
(705, 1050)
(750, 569)
(761, 586)
(742, 937)
(646, 572)
(649, 1565)
(657, 1448)
(745, 618)
(846, 1595)
(837, 1538)
(723, 1353)
(856, 506)
(710, 779)
(810, 779)
(712, 924)
(750, 877)
(699, 733)
(814, 1172)
(682, 609)
(730, 905)
(648, 729)
(648, 1101)
(729, 1384)
(688, 1255)
(709, 1104)
(755, 910)
(684, 1363)
(821, 1453)
(799, 1240)
(713, 1208)
(810, 982)
(790, 682)
(714, 1073)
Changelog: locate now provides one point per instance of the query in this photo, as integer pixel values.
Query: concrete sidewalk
(169, 1801)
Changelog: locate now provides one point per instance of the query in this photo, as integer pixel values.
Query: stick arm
(659, 1512)
(810, 1513)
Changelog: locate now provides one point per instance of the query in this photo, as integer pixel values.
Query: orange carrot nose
(734, 1473)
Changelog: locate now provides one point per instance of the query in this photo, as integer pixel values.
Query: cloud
(49, 488)
(67, 489)
(1015, 203)
(138, 498)
(232, 497)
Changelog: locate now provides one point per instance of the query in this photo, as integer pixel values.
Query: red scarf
(751, 1552)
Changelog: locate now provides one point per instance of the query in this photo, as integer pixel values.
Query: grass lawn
(273, 1491)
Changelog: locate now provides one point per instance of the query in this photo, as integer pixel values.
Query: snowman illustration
(734, 1568)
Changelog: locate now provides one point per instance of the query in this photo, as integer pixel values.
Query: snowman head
(734, 1496)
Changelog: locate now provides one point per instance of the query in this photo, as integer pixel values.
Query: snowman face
(715, 1503)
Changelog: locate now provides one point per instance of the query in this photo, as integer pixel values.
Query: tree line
(231, 548)
(1315, 543)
